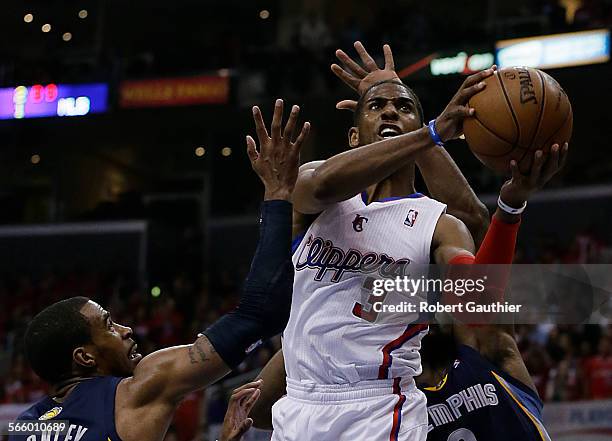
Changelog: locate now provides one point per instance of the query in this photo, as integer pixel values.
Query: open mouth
(134, 355)
(389, 131)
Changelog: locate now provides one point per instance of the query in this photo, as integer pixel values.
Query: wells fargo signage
(174, 91)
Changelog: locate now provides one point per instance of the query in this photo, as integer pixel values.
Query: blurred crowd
(566, 362)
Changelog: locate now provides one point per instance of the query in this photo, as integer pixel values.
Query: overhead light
(264, 14)
(67, 36)
(46, 27)
(28, 18)
(226, 151)
(35, 159)
(83, 13)
(199, 152)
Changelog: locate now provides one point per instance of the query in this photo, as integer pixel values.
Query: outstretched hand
(236, 422)
(361, 78)
(517, 190)
(449, 124)
(278, 159)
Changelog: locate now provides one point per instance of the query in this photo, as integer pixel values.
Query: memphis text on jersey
(464, 401)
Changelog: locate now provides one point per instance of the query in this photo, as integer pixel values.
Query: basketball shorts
(373, 410)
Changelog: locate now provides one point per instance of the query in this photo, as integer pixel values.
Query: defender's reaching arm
(164, 377)
(496, 341)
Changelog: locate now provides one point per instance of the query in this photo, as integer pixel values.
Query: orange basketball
(520, 111)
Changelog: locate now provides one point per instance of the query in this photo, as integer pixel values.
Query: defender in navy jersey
(475, 399)
(106, 391)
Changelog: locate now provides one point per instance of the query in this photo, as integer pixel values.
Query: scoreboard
(53, 100)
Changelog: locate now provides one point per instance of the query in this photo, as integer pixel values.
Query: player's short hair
(52, 336)
(361, 101)
(438, 349)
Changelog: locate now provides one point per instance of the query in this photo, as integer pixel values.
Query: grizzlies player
(103, 387)
(484, 393)
(332, 352)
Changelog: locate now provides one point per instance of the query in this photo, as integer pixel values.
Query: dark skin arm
(496, 342)
(443, 179)
(321, 184)
(342, 176)
(146, 401)
(273, 388)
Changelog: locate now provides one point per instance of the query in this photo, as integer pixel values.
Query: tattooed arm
(170, 374)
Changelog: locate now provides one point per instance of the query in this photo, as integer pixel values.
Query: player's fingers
(347, 105)
(302, 136)
(564, 154)
(367, 60)
(240, 395)
(464, 112)
(389, 62)
(242, 429)
(250, 401)
(251, 149)
(553, 163)
(479, 76)
(348, 79)
(251, 385)
(289, 132)
(514, 170)
(536, 167)
(260, 126)
(277, 120)
(351, 64)
(469, 92)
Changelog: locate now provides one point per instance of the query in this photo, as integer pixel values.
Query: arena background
(141, 196)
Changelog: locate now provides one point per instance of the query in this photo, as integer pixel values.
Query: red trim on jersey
(397, 410)
(411, 331)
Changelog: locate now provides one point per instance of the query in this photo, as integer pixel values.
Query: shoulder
(451, 238)
(34, 411)
(447, 223)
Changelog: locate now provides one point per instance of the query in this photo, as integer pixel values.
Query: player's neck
(60, 391)
(401, 183)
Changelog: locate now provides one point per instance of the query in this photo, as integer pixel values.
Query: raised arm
(443, 179)
(446, 183)
(346, 174)
(496, 341)
(164, 377)
(321, 184)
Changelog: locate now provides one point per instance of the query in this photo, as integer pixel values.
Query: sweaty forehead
(388, 91)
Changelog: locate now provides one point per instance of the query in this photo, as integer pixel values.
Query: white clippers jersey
(333, 335)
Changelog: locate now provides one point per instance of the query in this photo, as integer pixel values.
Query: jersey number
(358, 310)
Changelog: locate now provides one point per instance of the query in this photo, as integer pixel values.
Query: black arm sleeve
(266, 300)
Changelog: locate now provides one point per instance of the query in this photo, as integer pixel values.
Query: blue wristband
(434, 135)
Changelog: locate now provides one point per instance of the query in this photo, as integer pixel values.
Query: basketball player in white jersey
(344, 380)
(348, 377)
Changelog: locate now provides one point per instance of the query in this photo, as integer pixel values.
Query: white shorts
(374, 410)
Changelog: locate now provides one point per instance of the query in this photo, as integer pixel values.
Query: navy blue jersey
(477, 401)
(89, 411)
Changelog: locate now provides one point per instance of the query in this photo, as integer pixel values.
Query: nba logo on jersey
(411, 218)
